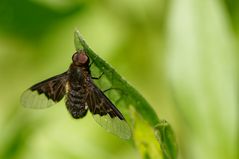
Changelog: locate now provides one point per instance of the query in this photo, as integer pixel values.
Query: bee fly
(81, 95)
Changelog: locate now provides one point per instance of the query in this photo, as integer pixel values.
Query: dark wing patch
(98, 103)
(45, 93)
(106, 114)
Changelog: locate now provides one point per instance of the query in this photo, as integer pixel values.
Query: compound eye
(80, 58)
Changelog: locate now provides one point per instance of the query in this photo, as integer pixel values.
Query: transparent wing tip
(31, 99)
(114, 125)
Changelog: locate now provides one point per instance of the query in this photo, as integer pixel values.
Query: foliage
(143, 119)
(180, 55)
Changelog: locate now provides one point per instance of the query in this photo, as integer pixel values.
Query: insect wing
(106, 114)
(46, 93)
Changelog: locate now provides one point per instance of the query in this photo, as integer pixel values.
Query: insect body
(79, 76)
(81, 94)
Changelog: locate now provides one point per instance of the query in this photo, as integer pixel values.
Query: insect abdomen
(75, 101)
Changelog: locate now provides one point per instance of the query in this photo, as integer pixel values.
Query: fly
(81, 95)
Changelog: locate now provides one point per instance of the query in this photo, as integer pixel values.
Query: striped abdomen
(75, 100)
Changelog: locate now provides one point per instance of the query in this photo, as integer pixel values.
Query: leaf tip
(79, 40)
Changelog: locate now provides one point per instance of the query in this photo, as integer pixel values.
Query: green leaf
(167, 140)
(143, 120)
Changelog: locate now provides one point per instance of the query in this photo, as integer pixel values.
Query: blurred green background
(181, 55)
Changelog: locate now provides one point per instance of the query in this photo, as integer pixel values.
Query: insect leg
(98, 77)
(118, 89)
(91, 63)
(93, 60)
(123, 94)
(110, 89)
